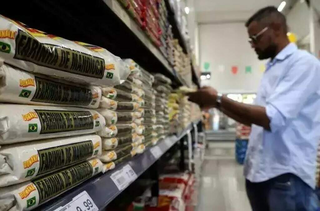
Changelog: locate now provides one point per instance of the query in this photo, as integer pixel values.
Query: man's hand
(205, 97)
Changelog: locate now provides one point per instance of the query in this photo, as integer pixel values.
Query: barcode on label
(121, 180)
(123, 177)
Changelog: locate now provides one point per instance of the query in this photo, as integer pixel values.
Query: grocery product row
(72, 110)
(109, 25)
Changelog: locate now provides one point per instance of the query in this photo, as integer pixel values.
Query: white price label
(168, 142)
(82, 202)
(156, 152)
(123, 177)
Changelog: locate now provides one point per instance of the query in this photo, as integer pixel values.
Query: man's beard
(269, 52)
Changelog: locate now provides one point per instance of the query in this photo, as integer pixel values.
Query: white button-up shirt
(290, 92)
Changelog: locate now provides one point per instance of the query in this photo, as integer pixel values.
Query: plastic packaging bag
(108, 156)
(35, 51)
(118, 106)
(20, 123)
(108, 132)
(22, 162)
(109, 92)
(17, 86)
(111, 117)
(29, 195)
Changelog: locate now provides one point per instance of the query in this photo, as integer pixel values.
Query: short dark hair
(268, 15)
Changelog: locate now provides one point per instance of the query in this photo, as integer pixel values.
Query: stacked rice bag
(163, 87)
(123, 108)
(143, 81)
(174, 111)
(48, 125)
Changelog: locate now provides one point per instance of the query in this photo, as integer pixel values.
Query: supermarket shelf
(131, 24)
(102, 189)
(100, 22)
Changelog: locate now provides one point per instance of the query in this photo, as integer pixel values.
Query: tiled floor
(222, 187)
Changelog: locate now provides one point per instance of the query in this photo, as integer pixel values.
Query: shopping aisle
(222, 187)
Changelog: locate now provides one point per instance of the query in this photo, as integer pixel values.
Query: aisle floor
(223, 185)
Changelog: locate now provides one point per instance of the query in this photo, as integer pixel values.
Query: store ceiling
(222, 11)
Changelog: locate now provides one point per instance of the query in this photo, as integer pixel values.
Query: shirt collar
(284, 53)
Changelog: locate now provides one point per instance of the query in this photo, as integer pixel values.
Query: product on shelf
(111, 117)
(108, 156)
(35, 51)
(118, 106)
(111, 165)
(108, 131)
(23, 162)
(26, 88)
(29, 195)
(19, 123)
(109, 92)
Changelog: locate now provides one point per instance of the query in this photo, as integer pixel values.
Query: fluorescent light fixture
(281, 6)
(203, 77)
(187, 10)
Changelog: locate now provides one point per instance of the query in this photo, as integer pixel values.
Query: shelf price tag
(123, 177)
(156, 152)
(168, 142)
(82, 202)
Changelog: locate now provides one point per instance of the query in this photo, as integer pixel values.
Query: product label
(7, 34)
(96, 145)
(26, 192)
(28, 163)
(5, 47)
(56, 92)
(110, 67)
(57, 157)
(54, 184)
(109, 165)
(29, 116)
(57, 57)
(27, 82)
(96, 116)
(94, 163)
(95, 95)
(54, 121)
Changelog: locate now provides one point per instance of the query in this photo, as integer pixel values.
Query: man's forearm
(235, 117)
(246, 114)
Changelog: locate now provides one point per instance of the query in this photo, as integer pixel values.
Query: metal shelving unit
(115, 6)
(102, 189)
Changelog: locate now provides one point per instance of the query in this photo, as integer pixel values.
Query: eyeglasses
(254, 38)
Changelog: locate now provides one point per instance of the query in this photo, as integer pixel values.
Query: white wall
(298, 20)
(227, 45)
(315, 27)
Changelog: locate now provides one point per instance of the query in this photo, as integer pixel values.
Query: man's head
(267, 31)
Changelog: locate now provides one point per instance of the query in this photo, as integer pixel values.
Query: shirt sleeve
(299, 83)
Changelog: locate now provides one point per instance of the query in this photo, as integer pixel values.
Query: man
(281, 158)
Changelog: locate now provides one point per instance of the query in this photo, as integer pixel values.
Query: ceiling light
(208, 76)
(281, 6)
(203, 77)
(187, 10)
